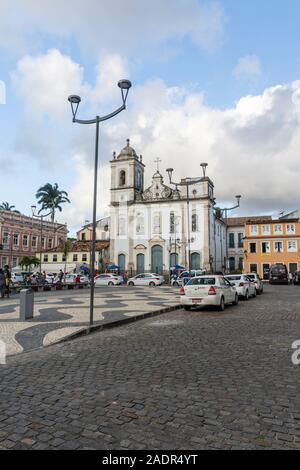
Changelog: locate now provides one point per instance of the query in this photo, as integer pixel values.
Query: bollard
(26, 304)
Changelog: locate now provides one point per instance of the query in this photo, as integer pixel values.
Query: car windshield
(202, 281)
(233, 278)
(252, 276)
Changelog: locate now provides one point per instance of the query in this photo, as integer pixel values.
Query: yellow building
(269, 242)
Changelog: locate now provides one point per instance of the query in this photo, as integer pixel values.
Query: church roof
(127, 152)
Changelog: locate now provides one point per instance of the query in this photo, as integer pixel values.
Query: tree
(66, 250)
(26, 262)
(5, 206)
(51, 198)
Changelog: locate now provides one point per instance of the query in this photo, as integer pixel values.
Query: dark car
(279, 274)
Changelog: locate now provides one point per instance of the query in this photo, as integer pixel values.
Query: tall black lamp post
(187, 182)
(225, 211)
(75, 100)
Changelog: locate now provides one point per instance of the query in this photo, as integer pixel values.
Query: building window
(240, 240)
(64, 258)
(265, 247)
(290, 228)
(172, 222)
(83, 237)
(5, 238)
(16, 239)
(84, 257)
(34, 241)
(140, 228)
(43, 242)
(14, 262)
(122, 181)
(231, 240)
(54, 258)
(50, 243)
(241, 264)
(75, 258)
(45, 258)
(278, 247)
(122, 226)
(292, 246)
(254, 229)
(266, 229)
(194, 223)
(156, 224)
(252, 247)
(25, 241)
(277, 228)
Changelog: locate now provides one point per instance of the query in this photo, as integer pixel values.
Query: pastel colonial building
(154, 228)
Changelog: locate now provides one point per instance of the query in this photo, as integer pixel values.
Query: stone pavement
(59, 314)
(184, 380)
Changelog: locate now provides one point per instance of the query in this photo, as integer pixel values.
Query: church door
(157, 259)
(121, 263)
(173, 260)
(195, 261)
(140, 263)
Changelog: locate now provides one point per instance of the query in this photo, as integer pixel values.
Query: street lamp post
(187, 183)
(226, 210)
(75, 100)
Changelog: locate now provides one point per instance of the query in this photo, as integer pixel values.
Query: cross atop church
(157, 161)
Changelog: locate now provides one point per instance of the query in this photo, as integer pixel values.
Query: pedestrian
(60, 276)
(291, 277)
(7, 277)
(125, 277)
(77, 279)
(2, 283)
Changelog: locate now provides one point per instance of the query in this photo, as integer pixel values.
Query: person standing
(2, 283)
(7, 277)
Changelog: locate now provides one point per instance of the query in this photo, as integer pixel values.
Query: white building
(149, 228)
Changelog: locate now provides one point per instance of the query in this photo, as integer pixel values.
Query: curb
(113, 324)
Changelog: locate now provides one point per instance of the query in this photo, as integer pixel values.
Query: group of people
(5, 277)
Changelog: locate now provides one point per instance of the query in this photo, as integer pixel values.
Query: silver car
(259, 285)
(244, 286)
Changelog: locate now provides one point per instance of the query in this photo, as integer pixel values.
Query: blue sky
(208, 56)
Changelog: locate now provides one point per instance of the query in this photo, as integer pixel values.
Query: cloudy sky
(214, 81)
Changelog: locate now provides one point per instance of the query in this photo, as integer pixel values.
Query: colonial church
(155, 228)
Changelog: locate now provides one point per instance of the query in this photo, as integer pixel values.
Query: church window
(157, 223)
(122, 178)
(194, 223)
(140, 228)
(172, 222)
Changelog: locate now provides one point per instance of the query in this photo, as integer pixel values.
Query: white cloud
(248, 68)
(112, 25)
(251, 148)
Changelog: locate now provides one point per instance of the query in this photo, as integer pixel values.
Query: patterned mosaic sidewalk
(57, 315)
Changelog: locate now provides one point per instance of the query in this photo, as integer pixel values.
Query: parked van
(279, 274)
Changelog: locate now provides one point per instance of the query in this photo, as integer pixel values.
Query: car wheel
(246, 297)
(222, 305)
(188, 308)
(110, 283)
(131, 284)
(152, 284)
(236, 300)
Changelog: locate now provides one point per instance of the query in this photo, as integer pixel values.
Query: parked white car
(17, 278)
(244, 286)
(146, 279)
(259, 285)
(70, 279)
(208, 290)
(194, 273)
(108, 280)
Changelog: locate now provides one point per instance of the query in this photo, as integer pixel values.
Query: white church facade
(155, 228)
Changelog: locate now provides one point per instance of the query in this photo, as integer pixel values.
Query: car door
(231, 291)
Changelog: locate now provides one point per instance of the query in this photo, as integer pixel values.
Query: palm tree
(51, 198)
(5, 206)
(26, 262)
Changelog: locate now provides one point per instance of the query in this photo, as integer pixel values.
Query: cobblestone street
(183, 380)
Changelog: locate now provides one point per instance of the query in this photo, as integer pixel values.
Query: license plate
(196, 301)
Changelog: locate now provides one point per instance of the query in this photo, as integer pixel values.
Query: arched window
(173, 260)
(194, 223)
(122, 178)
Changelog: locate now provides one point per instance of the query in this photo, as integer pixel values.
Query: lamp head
(125, 86)
(170, 172)
(33, 208)
(74, 100)
(238, 198)
(204, 167)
